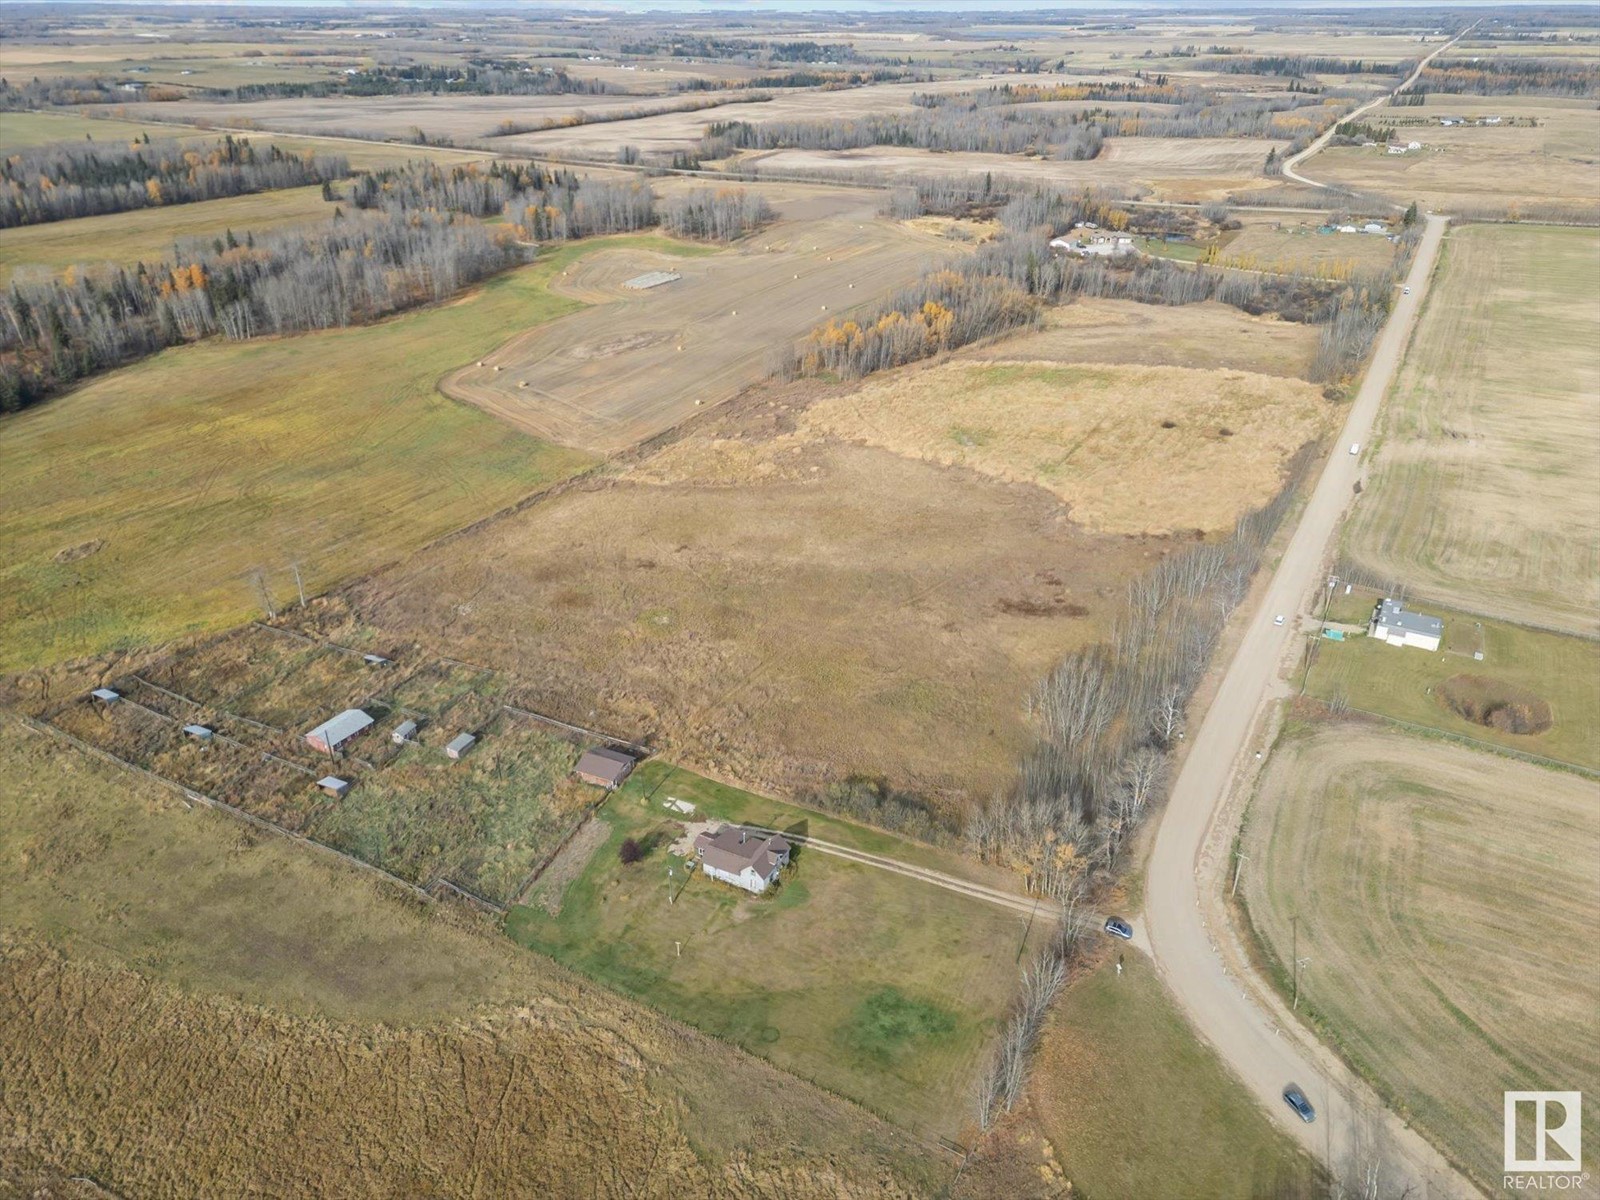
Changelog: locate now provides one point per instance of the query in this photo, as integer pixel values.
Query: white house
(1413, 145)
(1393, 149)
(743, 857)
(1393, 624)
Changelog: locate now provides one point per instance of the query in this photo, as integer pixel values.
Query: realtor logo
(1549, 1124)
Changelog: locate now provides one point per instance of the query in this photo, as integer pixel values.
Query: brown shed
(604, 767)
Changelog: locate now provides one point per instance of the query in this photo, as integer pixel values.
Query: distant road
(1263, 1050)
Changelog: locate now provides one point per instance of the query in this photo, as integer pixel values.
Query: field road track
(1264, 1045)
(1294, 160)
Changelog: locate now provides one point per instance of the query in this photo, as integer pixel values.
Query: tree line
(1510, 77)
(65, 179)
(481, 77)
(714, 214)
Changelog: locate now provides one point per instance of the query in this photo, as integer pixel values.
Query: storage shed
(375, 660)
(604, 767)
(202, 732)
(336, 731)
(459, 745)
(106, 695)
(404, 732)
(334, 786)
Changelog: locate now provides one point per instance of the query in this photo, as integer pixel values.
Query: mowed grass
(152, 952)
(1136, 1106)
(1404, 681)
(21, 130)
(880, 987)
(1483, 487)
(1448, 904)
(201, 465)
(148, 234)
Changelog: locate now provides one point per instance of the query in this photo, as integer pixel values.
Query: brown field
(167, 980)
(1129, 449)
(1207, 336)
(1482, 492)
(637, 363)
(777, 609)
(1170, 168)
(1445, 899)
(1473, 166)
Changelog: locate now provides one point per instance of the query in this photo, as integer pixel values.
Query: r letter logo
(1549, 1125)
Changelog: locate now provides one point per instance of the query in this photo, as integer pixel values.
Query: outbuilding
(334, 786)
(106, 695)
(198, 732)
(604, 767)
(459, 745)
(403, 732)
(336, 731)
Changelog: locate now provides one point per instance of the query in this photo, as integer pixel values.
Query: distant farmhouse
(1087, 241)
(1393, 624)
(742, 857)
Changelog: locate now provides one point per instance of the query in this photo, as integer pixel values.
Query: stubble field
(1445, 900)
(1482, 489)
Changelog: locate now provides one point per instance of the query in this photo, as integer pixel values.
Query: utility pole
(299, 586)
(1294, 924)
(1298, 963)
(1238, 863)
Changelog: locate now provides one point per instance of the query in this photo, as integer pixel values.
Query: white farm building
(743, 857)
(1393, 624)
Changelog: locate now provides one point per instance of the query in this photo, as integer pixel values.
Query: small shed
(375, 660)
(106, 695)
(459, 745)
(336, 731)
(202, 732)
(404, 732)
(334, 786)
(604, 767)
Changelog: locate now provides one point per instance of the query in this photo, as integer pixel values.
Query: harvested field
(1130, 450)
(1429, 864)
(343, 1038)
(1169, 168)
(877, 986)
(779, 609)
(1482, 492)
(1209, 337)
(147, 234)
(640, 362)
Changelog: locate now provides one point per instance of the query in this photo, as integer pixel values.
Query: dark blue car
(1296, 1099)
(1117, 927)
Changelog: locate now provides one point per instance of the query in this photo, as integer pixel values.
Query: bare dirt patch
(1495, 704)
(1130, 449)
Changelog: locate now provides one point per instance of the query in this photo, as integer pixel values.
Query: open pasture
(233, 457)
(1284, 245)
(777, 608)
(1444, 900)
(1129, 449)
(877, 986)
(1168, 168)
(1482, 492)
(641, 361)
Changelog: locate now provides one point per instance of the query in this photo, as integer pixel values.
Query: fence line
(1493, 747)
(232, 716)
(222, 737)
(639, 747)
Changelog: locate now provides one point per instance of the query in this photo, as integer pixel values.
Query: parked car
(1355, 447)
(1117, 927)
(1296, 1099)
(1407, 291)
(1278, 620)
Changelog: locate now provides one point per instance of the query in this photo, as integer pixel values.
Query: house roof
(604, 763)
(1392, 615)
(732, 848)
(341, 728)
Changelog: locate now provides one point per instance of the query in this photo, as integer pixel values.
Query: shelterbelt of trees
(84, 179)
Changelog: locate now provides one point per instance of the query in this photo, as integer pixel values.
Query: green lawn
(882, 988)
(1136, 1106)
(137, 507)
(1403, 681)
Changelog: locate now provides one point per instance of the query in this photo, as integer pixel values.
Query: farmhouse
(742, 857)
(1393, 624)
(1397, 149)
(1087, 241)
(336, 731)
(603, 767)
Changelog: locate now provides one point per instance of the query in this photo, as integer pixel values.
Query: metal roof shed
(106, 695)
(334, 786)
(604, 767)
(198, 731)
(404, 732)
(459, 745)
(336, 731)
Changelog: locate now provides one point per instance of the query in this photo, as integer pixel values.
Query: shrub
(630, 851)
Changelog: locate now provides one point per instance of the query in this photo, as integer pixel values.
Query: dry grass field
(1129, 449)
(1282, 245)
(1167, 168)
(639, 362)
(1482, 492)
(1467, 167)
(885, 989)
(167, 981)
(231, 457)
(1448, 905)
(148, 234)
(776, 609)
